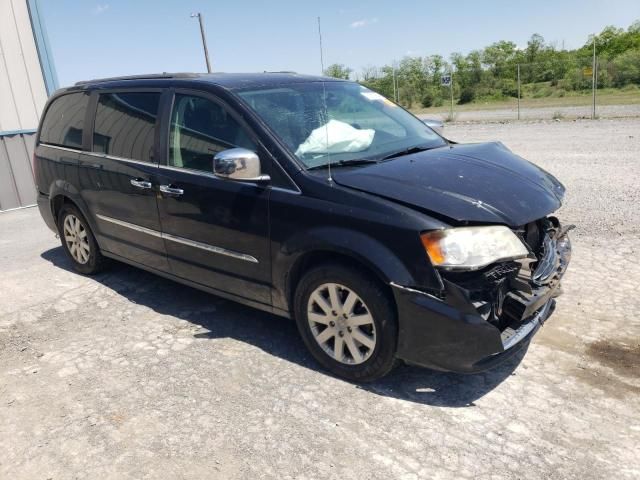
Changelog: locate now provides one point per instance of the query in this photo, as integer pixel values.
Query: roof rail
(152, 76)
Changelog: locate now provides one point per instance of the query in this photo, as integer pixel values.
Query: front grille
(549, 262)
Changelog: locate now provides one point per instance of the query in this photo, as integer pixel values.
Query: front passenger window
(200, 128)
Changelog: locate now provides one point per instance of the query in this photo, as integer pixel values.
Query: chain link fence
(566, 90)
(575, 87)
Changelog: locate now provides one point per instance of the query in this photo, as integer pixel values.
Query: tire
(359, 362)
(83, 250)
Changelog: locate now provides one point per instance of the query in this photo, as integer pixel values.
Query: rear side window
(64, 121)
(125, 125)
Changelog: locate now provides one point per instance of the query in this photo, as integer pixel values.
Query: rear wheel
(78, 241)
(347, 322)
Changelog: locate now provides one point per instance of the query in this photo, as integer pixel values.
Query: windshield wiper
(406, 151)
(345, 163)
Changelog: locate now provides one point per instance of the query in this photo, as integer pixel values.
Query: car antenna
(324, 101)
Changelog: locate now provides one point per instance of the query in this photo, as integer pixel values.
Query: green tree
(337, 70)
(491, 72)
(534, 46)
(626, 68)
(435, 66)
(499, 58)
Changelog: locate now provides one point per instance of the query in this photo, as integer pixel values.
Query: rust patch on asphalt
(622, 362)
(622, 357)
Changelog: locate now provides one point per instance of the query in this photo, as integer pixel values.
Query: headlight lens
(471, 248)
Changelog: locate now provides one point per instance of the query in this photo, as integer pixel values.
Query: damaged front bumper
(481, 319)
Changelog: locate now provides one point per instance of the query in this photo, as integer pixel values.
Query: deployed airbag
(336, 137)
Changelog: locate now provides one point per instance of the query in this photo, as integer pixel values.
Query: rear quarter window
(63, 123)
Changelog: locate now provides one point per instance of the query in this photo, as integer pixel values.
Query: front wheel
(347, 322)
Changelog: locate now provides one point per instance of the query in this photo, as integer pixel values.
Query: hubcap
(341, 323)
(75, 236)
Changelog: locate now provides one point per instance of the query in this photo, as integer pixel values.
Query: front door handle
(171, 190)
(139, 183)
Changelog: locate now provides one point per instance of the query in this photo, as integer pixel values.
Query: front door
(216, 231)
(118, 176)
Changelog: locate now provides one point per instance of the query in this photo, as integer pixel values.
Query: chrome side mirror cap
(238, 164)
(436, 125)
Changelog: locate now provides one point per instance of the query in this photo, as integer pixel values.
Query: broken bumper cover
(438, 335)
(448, 333)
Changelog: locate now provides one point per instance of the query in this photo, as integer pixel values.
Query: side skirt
(204, 288)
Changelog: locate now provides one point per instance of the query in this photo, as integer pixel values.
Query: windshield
(337, 122)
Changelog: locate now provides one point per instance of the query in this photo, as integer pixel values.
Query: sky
(93, 39)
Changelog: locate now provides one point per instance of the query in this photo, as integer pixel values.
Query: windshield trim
(273, 86)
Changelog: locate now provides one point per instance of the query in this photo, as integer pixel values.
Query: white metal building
(27, 78)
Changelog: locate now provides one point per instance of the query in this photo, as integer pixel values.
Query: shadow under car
(279, 336)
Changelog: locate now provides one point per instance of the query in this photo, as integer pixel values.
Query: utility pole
(204, 40)
(518, 91)
(393, 78)
(594, 78)
(451, 88)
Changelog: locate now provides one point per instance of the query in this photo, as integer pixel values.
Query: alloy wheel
(75, 237)
(341, 323)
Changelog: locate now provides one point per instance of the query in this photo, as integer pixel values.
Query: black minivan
(311, 198)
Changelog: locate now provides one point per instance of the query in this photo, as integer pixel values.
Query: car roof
(231, 81)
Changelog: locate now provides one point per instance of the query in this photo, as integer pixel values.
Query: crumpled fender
(360, 247)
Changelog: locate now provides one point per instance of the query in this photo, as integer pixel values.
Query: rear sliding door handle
(169, 190)
(139, 183)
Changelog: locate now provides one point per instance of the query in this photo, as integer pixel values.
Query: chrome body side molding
(182, 240)
(210, 248)
(132, 226)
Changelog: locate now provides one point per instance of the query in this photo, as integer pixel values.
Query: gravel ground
(539, 113)
(126, 375)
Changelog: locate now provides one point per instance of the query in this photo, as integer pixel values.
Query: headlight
(471, 248)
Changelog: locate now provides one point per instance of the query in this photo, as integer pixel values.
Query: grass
(607, 96)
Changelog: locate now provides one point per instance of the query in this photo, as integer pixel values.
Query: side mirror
(238, 164)
(436, 125)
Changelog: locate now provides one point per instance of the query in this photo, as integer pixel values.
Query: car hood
(482, 182)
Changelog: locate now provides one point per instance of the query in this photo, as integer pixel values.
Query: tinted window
(125, 125)
(201, 128)
(63, 123)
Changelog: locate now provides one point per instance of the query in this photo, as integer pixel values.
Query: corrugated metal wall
(16, 178)
(23, 94)
(22, 88)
